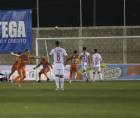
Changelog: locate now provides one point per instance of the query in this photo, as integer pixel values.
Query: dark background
(66, 13)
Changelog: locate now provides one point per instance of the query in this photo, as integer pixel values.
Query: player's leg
(23, 74)
(100, 74)
(95, 70)
(83, 71)
(46, 70)
(39, 75)
(62, 79)
(13, 69)
(56, 72)
(43, 71)
(71, 70)
(85, 74)
(9, 78)
(18, 78)
(75, 70)
(11, 74)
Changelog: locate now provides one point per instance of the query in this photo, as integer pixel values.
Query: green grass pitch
(114, 99)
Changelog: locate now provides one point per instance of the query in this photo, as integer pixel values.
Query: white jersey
(85, 57)
(58, 57)
(96, 60)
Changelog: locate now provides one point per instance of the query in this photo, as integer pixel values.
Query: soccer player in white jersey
(96, 57)
(58, 58)
(85, 58)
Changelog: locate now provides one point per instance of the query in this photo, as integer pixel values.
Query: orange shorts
(73, 69)
(44, 70)
(22, 72)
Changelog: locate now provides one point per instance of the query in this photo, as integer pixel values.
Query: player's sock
(88, 77)
(57, 82)
(48, 79)
(62, 83)
(18, 82)
(76, 75)
(84, 76)
(39, 81)
(95, 76)
(70, 81)
(100, 76)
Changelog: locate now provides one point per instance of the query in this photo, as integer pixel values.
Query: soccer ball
(56, 27)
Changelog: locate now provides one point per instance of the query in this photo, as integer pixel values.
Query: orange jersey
(16, 64)
(45, 63)
(75, 59)
(24, 59)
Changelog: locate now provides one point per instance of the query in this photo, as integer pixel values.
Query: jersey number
(58, 56)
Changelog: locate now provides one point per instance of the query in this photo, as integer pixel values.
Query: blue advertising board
(121, 72)
(15, 30)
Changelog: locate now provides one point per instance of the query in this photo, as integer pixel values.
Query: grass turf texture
(116, 99)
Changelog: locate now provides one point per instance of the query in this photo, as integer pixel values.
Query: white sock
(100, 76)
(62, 83)
(75, 76)
(95, 76)
(57, 82)
(84, 76)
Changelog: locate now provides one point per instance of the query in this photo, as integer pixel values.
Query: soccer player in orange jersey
(23, 60)
(46, 68)
(15, 65)
(74, 58)
(25, 57)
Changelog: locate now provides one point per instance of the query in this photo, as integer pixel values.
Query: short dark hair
(43, 58)
(57, 43)
(95, 50)
(84, 48)
(26, 50)
(75, 51)
(18, 53)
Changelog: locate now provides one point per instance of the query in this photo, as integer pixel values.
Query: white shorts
(85, 66)
(59, 66)
(59, 71)
(96, 69)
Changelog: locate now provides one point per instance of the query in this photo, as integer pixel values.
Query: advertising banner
(15, 30)
(109, 72)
